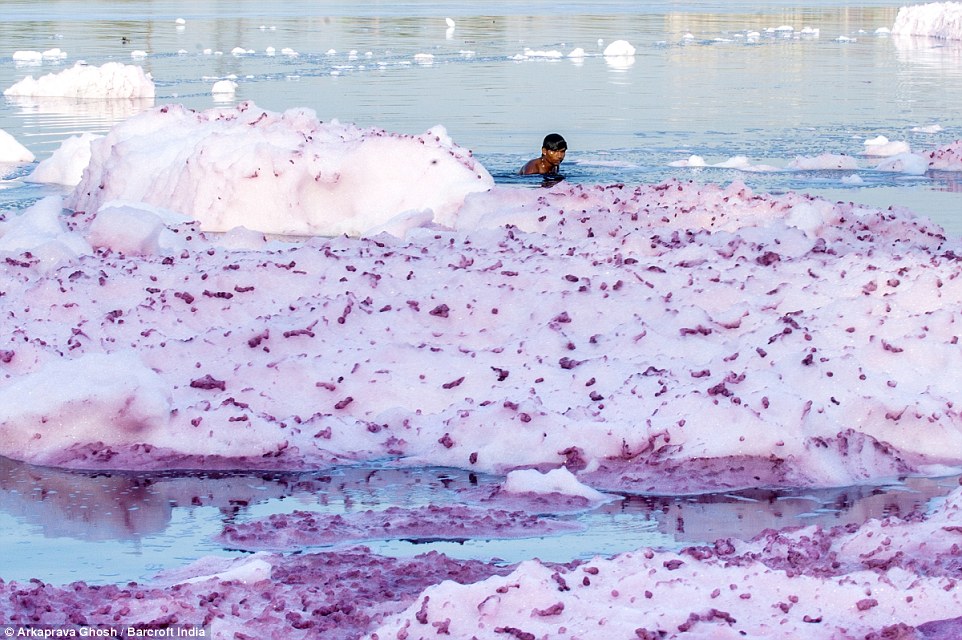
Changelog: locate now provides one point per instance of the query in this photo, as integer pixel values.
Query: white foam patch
(12, 151)
(287, 173)
(935, 19)
(110, 80)
(880, 146)
(66, 164)
(558, 480)
(826, 161)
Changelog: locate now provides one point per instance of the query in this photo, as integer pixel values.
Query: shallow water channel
(62, 526)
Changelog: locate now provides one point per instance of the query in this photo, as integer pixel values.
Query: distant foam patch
(111, 80)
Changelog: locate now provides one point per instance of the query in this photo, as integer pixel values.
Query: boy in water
(552, 154)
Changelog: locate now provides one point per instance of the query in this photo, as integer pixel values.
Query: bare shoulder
(531, 167)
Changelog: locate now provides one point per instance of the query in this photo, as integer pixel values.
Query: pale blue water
(717, 94)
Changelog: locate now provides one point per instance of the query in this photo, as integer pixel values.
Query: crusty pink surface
(947, 157)
(282, 532)
(329, 595)
(684, 338)
(891, 578)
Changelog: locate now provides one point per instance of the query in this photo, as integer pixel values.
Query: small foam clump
(560, 481)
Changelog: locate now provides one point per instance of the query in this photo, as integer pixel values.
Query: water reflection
(57, 509)
(943, 55)
(120, 506)
(947, 181)
(96, 112)
(747, 513)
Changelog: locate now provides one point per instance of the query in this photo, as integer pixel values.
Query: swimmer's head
(553, 150)
(554, 142)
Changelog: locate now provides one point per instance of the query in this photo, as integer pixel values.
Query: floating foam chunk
(824, 161)
(810, 330)
(28, 57)
(111, 80)
(289, 173)
(224, 87)
(619, 48)
(12, 151)
(936, 19)
(810, 582)
(880, 146)
(558, 480)
(535, 53)
(54, 54)
(908, 163)
(690, 161)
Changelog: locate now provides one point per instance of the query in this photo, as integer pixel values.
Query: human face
(555, 158)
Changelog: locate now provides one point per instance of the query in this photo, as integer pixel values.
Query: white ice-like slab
(935, 19)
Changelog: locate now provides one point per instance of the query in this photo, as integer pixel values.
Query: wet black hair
(554, 142)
